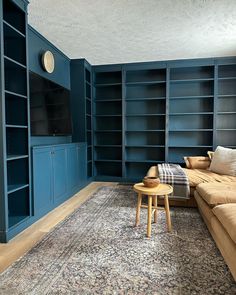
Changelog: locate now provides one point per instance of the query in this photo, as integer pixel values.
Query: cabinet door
(59, 173)
(42, 181)
(72, 168)
(82, 154)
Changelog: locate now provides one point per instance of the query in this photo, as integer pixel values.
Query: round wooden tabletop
(161, 190)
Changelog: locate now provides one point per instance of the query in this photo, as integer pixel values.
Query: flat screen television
(49, 108)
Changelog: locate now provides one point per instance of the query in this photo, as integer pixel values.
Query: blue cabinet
(72, 168)
(59, 171)
(82, 160)
(42, 171)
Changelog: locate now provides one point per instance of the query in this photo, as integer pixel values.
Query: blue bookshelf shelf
(149, 130)
(16, 157)
(15, 94)
(227, 78)
(14, 61)
(16, 126)
(144, 83)
(146, 98)
(144, 115)
(13, 28)
(191, 80)
(191, 97)
(107, 84)
(16, 220)
(191, 130)
(16, 187)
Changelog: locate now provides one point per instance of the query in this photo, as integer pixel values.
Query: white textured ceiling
(120, 31)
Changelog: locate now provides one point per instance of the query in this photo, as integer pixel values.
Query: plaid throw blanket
(175, 176)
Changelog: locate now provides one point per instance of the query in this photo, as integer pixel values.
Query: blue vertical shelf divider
(215, 104)
(16, 205)
(167, 113)
(123, 106)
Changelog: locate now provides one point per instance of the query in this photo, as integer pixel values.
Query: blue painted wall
(61, 75)
(37, 45)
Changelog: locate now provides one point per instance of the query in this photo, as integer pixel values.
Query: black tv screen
(49, 107)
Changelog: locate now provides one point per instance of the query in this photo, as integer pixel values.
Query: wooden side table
(153, 193)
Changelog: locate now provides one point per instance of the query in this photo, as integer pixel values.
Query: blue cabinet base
(59, 172)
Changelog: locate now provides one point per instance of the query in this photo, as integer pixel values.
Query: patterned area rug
(97, 250)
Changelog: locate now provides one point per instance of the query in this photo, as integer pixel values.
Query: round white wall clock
(48, 62)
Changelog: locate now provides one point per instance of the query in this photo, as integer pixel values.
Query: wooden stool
(153, 193)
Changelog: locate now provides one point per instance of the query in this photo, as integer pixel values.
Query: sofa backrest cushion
(197, 162)
(224, 161)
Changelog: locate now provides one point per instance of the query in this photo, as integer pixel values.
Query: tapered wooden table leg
(138, 209)
(149, 221)
(167, 209)
(152, 193)
(155, 205)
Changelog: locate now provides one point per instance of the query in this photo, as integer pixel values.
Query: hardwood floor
(22, 243)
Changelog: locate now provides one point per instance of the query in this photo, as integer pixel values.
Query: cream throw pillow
(224, 161)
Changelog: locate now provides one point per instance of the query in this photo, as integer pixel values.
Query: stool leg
(167, 209)
(149, 221)
(155, 205)
(138, 209)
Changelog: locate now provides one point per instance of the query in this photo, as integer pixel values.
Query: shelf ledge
(143, 83)
(15, 94)
(13, 28)
(16, 126)
(16, 157)
(16, 187)
(15, 62)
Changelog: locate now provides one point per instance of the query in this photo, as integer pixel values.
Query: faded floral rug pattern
(97, 250)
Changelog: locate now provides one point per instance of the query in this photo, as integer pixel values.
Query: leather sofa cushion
(197, 176)
(226, 214)
(217, 193)
(197, 162)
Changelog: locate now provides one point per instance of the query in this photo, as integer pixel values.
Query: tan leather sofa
(195, 177)
(217, 205)
(215, 197)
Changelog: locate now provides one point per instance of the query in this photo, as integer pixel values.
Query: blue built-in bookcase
(15, 177)
(81, 107)
(154, 112)
(126, 118)
(225, 109)
(191, 109)
(107, 111)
